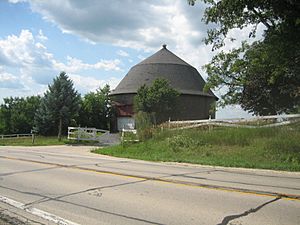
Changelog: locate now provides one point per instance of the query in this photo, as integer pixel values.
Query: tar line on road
(165, 180)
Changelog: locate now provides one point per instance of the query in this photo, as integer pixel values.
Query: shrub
(144, 125)
(180, 142)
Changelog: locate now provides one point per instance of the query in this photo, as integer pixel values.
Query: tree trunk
(59, 129)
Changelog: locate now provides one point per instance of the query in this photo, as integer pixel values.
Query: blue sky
(95, 41)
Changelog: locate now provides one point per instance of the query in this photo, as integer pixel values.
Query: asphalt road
(69, 185)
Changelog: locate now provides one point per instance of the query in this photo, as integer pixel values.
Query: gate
(85, 134)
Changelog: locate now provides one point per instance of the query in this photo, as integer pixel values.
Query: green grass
(43, 141)
(39, 141)
(267, 148)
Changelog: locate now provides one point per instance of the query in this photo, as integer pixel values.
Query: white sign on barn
(126, 123)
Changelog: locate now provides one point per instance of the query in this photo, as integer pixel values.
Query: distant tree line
(17, 114)
(60, 107)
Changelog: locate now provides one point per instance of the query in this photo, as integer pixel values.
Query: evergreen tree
(59, 106)
(43, 122)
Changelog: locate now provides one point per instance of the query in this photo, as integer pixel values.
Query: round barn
(193, 102)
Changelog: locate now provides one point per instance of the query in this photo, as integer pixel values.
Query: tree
(43, 122)
(160, 99)
(17, 114)
(59, 106)
(263, 76)
(95, 110)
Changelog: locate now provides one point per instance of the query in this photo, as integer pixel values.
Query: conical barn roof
(163, 64)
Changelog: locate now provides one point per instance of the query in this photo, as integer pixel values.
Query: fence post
(95, 134)
(33, 138)
(209, 123)
(122, 137)
(78, 134)
(68, 133)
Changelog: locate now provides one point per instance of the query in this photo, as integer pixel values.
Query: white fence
(12, 136)
(133, 137)
(259, 121)
(85, 134)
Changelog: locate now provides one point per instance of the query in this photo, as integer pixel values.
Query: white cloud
(141, 57)
(41, 36)
(16, 1)
(87, 84)
(34, 66)
(18, 50)
(136, 24)
(9, 81)
(32, 57)
(74, 65)
(240, 35)
(140, 25)
(232, 112)
(123, 53)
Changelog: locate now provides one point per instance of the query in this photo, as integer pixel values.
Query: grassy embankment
(267, 148)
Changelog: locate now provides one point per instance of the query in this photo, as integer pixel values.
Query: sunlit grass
(268, 148)
(38, 141)
(43, 141)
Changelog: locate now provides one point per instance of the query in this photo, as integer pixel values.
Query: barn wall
(189, 107)
(126, 99)
(193, 107)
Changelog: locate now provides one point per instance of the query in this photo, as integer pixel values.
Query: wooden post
(68, 133)
(78, 134)
(33, 138)
(94, 134)
(122, 137)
